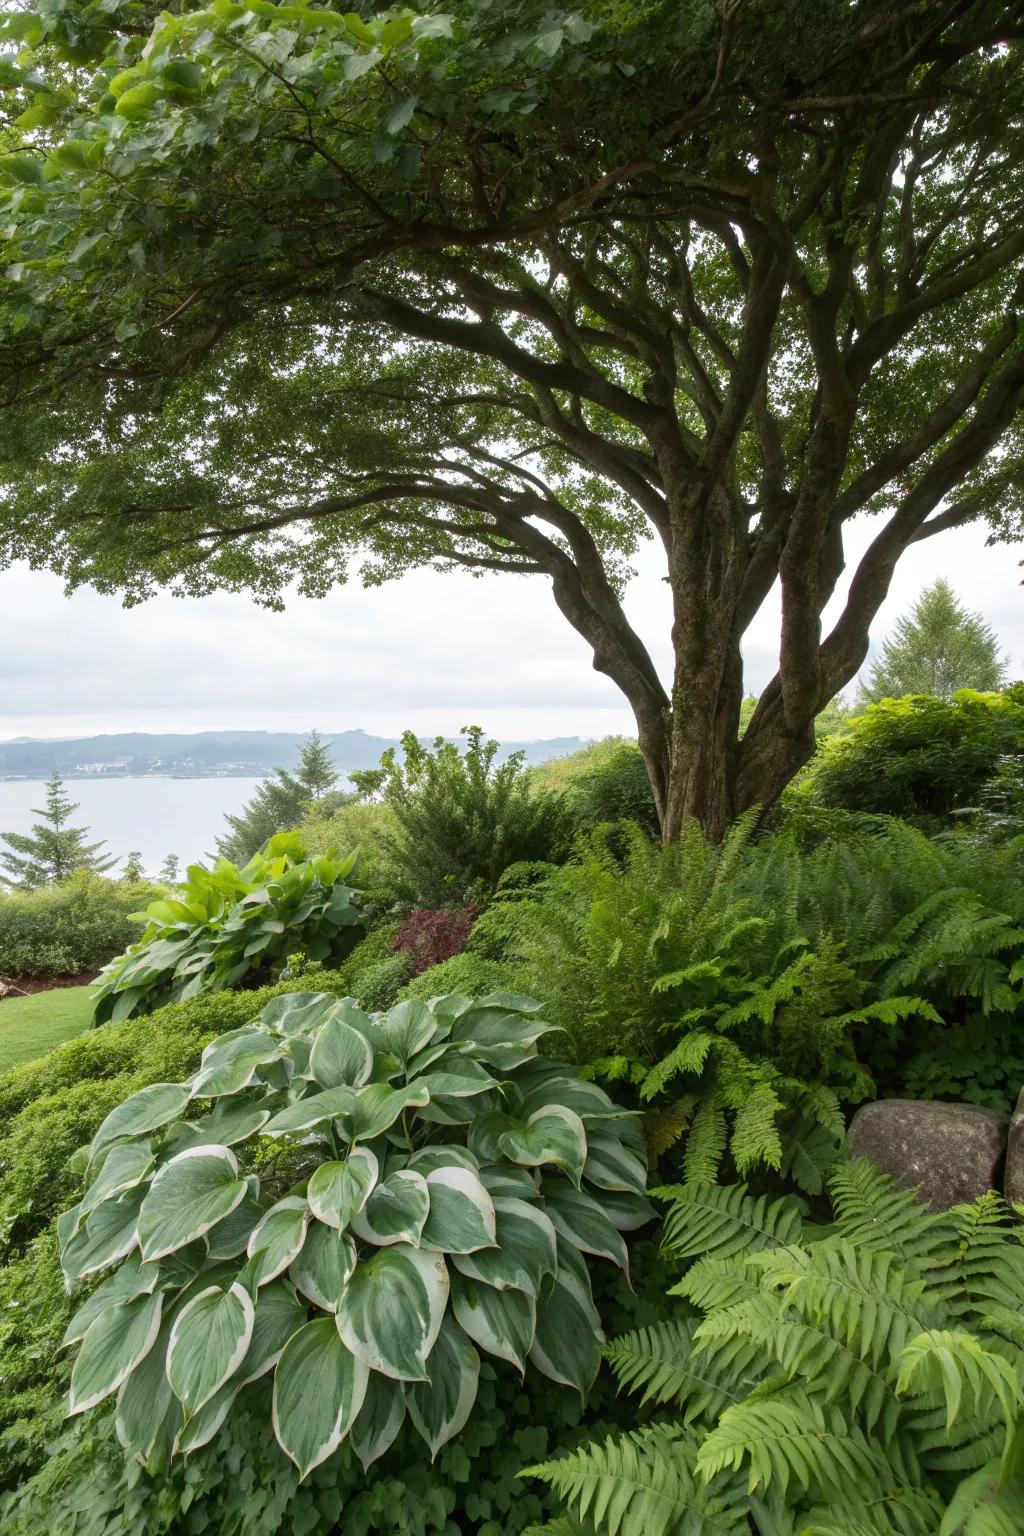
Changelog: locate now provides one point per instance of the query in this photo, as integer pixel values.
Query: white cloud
(428, 651)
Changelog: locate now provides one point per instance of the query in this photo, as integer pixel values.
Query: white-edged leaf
(125, 1165)
(456, 1076)
(230, 1237)
(231, 1062)
(113, 1345)
(567, 1345)
(314, 1110)
(551, 1135)
(377, 1107)
(340, 1055)
(391, 1310)
(407, 1029)
(278, 1314)
(581, 1221)
(379, 1419)
(189, 1195)
(509, 1182)
(461, 1217)
(327, 1260)
(526, 1251)
(130, 1279)
(148, 1414)
(110, 1233)
(145, 1111)
(427, 1160)
(338, 1190)
(395, 1211)
(208, 1343)
(626, 1212)
(275, 1242)
(299, 1013)
(319, 1387)
(501, 1322)
(440, 1406)
(610, 1165)
(231, 1121)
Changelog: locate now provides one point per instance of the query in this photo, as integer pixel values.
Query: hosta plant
(358, 1203)
(860, 1379)
(227, 926)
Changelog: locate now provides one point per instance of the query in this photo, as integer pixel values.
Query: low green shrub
(469, 973)
(920, 758)
(77, 924)
(607, 781)
(227, 927)
(374, 973)
(860, 1379)
(369, 826)
(436, 1187)
(462, 818)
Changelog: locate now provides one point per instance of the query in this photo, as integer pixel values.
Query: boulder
(1013, 1178)
(949, 1153)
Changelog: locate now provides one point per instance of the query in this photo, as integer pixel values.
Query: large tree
(939, 647)
(512, 288)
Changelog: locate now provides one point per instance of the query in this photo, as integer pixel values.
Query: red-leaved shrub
(431, 935)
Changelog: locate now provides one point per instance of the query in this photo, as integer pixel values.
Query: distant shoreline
(69, 775)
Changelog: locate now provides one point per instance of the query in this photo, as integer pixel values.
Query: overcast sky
(431, 652)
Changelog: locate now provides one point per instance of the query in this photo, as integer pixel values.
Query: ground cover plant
(31, 1026)
(227, 927)
(436, 1181)
(77, 924)
(861, 1378)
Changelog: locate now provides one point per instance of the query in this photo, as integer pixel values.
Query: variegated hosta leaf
(391, 1309)
(145, 1111)
(325, 1263)
(230, 1237)
(149, 1415)
(461, 1217)
(567, 1344)
(626, 1212)
(298, 1013)
(377, 1107)
(310, 1113)
(113, 1345)
(440, 1406)
(578, 1218)
(544, 1086)
(340, 1055)
(319, 1387)
(526, 1250)
(189, 1195)
(426, 1160)
(551, 1135)
(395, 1211)
(109, 1233)
(208, 1343)
(456, 1076)
(501, 1322)
(379, 1419)
(132, 1279)
(338, 1190)
(407, 1029)
(610, 1165)
(231, 1121)
(229, 1065)
(124, 1166)
(276, 1241)
(509, 1182)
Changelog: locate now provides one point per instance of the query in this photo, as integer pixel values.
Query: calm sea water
(156, 816)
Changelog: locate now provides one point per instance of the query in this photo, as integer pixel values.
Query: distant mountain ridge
(214, 754)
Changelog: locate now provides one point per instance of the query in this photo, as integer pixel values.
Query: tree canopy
(938, 648)
(512, 287)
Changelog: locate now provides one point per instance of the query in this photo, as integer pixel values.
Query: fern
(863, 1378)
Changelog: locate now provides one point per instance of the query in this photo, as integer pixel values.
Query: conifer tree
(938, 648)
(170, 870)
(53, 849)
(280, 801)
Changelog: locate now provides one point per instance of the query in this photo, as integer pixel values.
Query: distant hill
(213, 754)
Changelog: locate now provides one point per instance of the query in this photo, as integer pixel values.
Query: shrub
(862, 1379)
(920, 758)
(78, 924)
(428, 937)
(469, 973)
(370, 827)
(226, 927)
(427, 1190)
(462, 818)
(604, 782)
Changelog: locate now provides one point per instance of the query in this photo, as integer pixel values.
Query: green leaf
(148, 1414)
(229, 1123)
(456, 1076)
(581, 1221)
(379, 1419)
(321, 1270)
(340, 1056)
(189, 1195)
(501, 1322)
(391, 1310)
(567, 1344)
(125, 1166)
(299, 1013)
(315, 1110)
(110, 1233)
(377, 1108)
(278, 1314)
(401, 114)
(526, 1251)
(276, 1241)
(337, 1191)
(319, 1387)
(208, 1343)
(610, 1165)
(131, 1279)
(111, 1349)
(407, 1029)
(395, 1211)
(551, 1135)
(145, 1111)
(440, 1406)
(232, 1062)
(461, 1217)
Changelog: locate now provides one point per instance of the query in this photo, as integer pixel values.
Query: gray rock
(949, 1153)
(1013, 1178)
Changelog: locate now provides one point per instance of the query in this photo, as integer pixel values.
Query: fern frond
(986, 1505)
(725, 1220)
(755, 1135)
(949, 1360)
(713, 1282)
(565, 1525)
(985, 1275)
(705, 1145)
(689, 1054)
(810, 1150)
(662, 1363)
(874, 1212)
(784, 1437)
(642, 1484)
(664, 1127)
(908, 1512)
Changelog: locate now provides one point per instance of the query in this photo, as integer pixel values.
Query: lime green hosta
(446, 1188)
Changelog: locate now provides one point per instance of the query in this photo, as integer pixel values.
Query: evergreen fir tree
(938, 648)
(170, 870)
(133, 869)
(53, 849)
(280, 802)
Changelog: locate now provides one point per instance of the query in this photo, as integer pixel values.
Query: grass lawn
(31, 1026)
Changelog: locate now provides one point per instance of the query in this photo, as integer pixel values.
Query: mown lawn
(31, 1026)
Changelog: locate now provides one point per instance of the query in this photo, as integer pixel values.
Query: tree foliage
(938, 648)
(53, 850)
(512, 288)
(281, 801)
